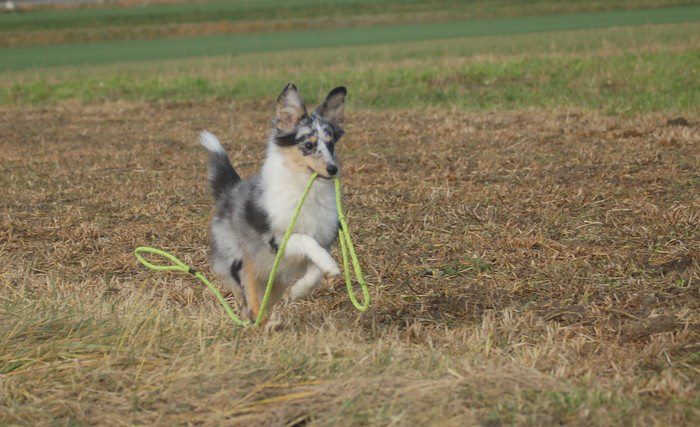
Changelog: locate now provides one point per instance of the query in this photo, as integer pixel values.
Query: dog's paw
(300, 290)
(297, 292)
(274, 323)
(327, 264)
(330, 267)
(335, 271)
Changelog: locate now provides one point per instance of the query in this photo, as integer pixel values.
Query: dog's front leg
(303, 245)
(307, 283)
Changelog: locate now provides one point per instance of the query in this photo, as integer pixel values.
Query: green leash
(178, 265)
(346, 247)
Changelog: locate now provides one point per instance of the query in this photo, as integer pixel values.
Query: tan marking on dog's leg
(275, 319)
(253, 288)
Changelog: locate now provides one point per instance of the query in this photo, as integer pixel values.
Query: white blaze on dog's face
(307, 143)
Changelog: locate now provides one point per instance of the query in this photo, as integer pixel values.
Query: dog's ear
(333, 107)
(290, 108)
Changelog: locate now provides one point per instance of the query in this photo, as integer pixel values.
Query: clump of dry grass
(528, 267)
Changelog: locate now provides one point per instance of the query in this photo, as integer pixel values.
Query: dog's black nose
(332, 169)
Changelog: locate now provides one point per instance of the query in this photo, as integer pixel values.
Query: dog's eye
(309, 145)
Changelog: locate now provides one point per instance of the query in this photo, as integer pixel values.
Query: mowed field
(524, 200)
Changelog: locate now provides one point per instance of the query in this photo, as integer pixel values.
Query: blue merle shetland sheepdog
(252, 215)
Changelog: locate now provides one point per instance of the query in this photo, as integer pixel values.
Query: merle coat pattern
(252, 215)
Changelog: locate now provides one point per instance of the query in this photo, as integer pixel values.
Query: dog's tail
(222, 176)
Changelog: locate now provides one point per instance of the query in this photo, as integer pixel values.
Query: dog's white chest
(318, 217)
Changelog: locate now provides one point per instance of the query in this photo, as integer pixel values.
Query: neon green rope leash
(346, 246)
(178, 265)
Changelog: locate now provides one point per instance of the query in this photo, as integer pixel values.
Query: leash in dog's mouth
(319, 175)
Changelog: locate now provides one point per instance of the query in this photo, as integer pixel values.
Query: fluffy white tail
(210, 142)
(222, 176)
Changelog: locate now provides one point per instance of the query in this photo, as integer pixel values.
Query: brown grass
(189, 29)
(532, 267)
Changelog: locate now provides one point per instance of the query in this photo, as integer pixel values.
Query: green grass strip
(624, 84)
(97, 53)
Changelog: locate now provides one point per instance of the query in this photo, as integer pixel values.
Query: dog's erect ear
(290, 108)
(333, 107)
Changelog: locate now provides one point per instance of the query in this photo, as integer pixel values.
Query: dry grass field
(536, 267)
(523, 190)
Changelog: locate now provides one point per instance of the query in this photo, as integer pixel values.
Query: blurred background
(607, 55)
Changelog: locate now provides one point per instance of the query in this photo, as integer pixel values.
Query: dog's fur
(251, 216)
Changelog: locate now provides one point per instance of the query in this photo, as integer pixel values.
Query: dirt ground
(568, 220)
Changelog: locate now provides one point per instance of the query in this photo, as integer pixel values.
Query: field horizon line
(83, 53)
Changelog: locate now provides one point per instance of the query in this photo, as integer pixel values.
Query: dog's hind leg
(307, 283)
(254, 288)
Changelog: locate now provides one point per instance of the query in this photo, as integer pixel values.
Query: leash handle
(180, 266)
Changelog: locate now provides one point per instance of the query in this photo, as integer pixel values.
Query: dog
(251, 216)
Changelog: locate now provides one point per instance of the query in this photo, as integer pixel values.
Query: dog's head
(308, 141)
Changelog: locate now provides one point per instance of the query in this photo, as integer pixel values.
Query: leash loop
(346, 246)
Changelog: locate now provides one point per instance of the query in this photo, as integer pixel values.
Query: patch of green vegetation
(681, 282)
(629, 83)
(139, 50)
(276, 10)
(569, 404)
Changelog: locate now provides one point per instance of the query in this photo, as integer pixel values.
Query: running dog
(252, 215)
